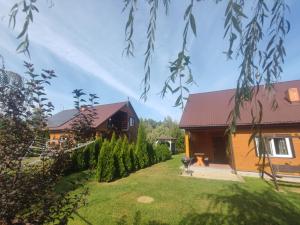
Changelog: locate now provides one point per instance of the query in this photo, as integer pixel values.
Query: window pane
(269, 147)
(259, 145)
(280, 146)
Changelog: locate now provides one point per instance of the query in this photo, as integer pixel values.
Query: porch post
(230, 140)
(187, 144)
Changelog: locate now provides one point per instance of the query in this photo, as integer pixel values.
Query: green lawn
(186, 201)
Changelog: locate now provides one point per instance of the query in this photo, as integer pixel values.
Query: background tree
(167, 127)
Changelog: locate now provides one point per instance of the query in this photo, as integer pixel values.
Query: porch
(208, 147)
(213, 172)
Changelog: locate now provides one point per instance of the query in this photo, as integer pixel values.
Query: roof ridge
(232, 89)
(95, 106)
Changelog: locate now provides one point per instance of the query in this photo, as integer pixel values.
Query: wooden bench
(287, 169)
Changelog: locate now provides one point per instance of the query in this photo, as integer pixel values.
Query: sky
(83, 42)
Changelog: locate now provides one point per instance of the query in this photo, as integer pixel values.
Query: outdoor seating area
(195, 167)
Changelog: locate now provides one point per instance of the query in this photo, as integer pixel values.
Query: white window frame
(131, 122)
(273, 150)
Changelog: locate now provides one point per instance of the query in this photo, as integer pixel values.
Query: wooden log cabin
(205, 119)
(120, 118)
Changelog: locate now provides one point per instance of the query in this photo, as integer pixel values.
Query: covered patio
(208, 147)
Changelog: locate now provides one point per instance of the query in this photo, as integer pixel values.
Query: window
(131, 121)
(278, 146)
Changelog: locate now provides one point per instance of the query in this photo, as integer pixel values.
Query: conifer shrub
(77, 160)
(120, 170)
(94, 152)
(113, 140)
(126, 155)
(162, 153)
(151, 154)
(133, 158)
(141, 148)
(106, 167)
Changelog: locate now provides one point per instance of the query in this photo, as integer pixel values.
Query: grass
(184, 200)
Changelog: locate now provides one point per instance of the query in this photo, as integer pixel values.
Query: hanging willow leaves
(264, 22)
(180, 70)
(28, 8)
(260, 65)
(132, 4)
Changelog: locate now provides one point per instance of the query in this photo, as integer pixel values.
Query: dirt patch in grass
(145, 199)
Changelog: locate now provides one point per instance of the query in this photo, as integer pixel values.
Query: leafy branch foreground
(27, 191)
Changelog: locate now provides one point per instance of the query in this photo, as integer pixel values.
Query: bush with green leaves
(126, 155)
(151, 154)
(141, 148)
(120, 170)
(106, 165)
(94, 152)
(78, 160)
(133, 158)
(113, 140)
(162, 153)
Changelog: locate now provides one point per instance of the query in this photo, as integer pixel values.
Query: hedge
(162, 153)
(85, 157)
(118, 158)
(106, 169)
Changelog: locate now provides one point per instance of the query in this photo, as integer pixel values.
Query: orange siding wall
(55, 135)
(245, 155)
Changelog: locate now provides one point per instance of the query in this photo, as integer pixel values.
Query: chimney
(292, 95)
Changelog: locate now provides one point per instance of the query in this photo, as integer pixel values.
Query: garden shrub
(126, 155)
(151, 154)
(94, 152)
(113, 140)
(120, 170)
(78, 162)
(141, 148)
(133, 158)
(106, 167)
(162, 152)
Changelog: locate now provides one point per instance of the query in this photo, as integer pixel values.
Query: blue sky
(83, 43)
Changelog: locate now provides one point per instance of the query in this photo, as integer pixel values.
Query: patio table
(200, 157)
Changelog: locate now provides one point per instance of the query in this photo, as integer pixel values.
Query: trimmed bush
(113, 140)
(78, 162)
(133, 158)
(162, 153)
(151, 154)
(106, 167)
(141, 148)
(94, 152)
(126, 155)
(118, 159)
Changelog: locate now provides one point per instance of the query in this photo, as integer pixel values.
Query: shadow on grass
(237, 205)
(74, 181)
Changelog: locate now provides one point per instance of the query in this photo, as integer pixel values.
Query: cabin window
(131, 121)
(277, 147)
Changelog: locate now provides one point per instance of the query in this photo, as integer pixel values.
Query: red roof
(211, 109)
(103, 112)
